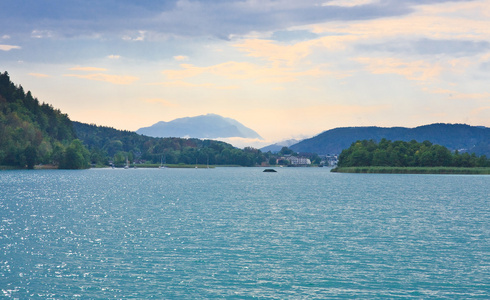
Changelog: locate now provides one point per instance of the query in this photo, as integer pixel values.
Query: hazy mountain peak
(209, 126)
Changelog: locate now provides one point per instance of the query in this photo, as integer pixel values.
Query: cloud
(115, 79)
(245, 142)
(272, 51)
(41, 34)
(112, 56)
(187, 71)
(181, 58)
(244, 71)
(39, 75)
(88, 69)
(293, 35)
(134, 20)
(184, 84)
(349, 3)
(292, 53)
(136, 37)
(425, 46)
(455, 20)
(8, 47)
(413, 70)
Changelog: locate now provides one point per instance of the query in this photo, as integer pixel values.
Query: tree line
(107, 145)
(406, 154)
(33, 133)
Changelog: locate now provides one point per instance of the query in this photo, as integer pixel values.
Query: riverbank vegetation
(413, 170)
(408, 157)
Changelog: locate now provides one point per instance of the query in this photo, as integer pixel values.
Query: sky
(284, 68)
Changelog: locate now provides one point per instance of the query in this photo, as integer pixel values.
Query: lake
(239, 233)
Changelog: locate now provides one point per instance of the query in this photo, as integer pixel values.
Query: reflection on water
(241, 233)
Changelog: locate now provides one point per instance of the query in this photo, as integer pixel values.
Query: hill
(461, 137)
(34, 133)
(208, 126)
(109, 144)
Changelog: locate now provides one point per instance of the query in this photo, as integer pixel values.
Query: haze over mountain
(210, 126)
(461, 137)
(274, 148)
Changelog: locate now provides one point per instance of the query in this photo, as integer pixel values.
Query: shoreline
(414, 170)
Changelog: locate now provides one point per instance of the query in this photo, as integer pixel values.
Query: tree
(380, 158)
(286, 151)
(76, 156)
(403, 154)
(31, 156)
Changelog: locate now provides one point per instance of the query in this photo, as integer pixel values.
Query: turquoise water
(239, 233)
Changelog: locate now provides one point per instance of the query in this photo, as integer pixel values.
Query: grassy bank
(155, 166)
(3, 168)
(413, 170)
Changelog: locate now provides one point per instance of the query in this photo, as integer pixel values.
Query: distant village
(329, 160)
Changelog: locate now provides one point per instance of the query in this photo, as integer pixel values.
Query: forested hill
(406, 154)
(463, 138)
(107, 143)
(31, 132)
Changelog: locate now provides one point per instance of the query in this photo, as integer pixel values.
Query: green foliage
(76, 156)
(285, 151)
(116, 145)
(406, 154)
(30, 154)
(413, 170)
(31, 133)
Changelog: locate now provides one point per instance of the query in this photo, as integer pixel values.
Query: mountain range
(210, 126)
(34, 133)
(461, 137)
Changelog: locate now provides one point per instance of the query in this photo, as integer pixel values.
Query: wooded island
(367, 156)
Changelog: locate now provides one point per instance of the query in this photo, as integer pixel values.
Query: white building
(297, 161)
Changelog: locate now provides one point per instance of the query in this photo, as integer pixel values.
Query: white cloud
(136, 37)
(349, 3)
(9, 47)
(113, 56)
(245, 142)
(40, 34)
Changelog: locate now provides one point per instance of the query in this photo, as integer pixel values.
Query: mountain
(461, 137)
(274, 148)
(208, 126)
